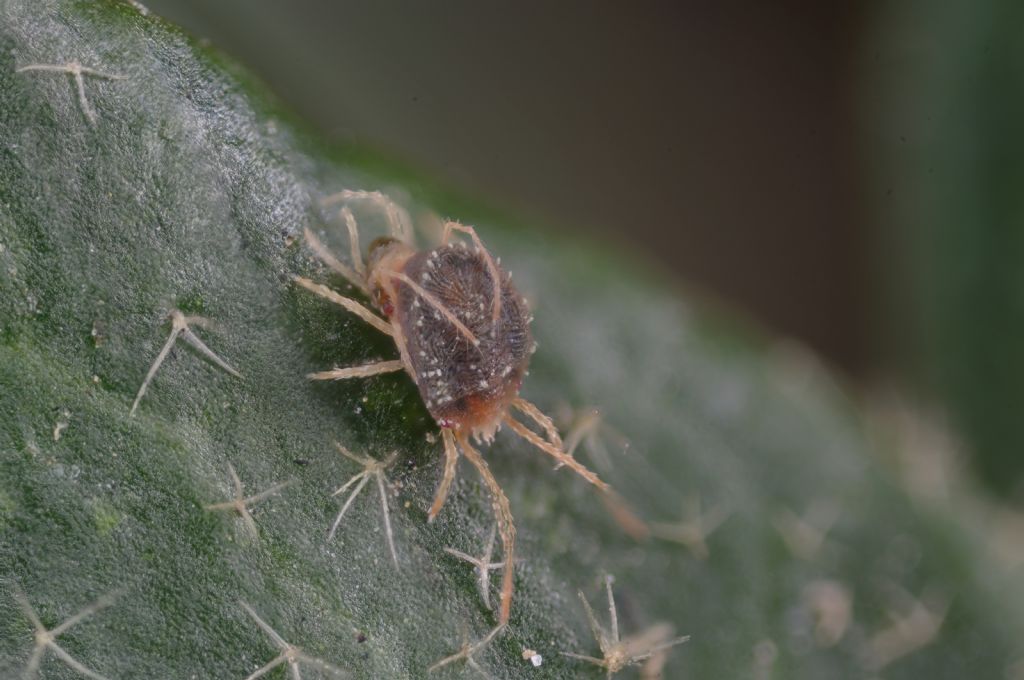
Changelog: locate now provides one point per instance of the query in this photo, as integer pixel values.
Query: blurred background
(848, 174)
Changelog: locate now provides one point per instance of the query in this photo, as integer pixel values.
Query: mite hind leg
(616, 505)
(625, 516)
(544, 421)
(451, 460)
(586, 429)
(551, 448)
(507, 531)
(506, 527)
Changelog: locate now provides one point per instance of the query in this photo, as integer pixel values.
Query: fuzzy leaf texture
(189, 192)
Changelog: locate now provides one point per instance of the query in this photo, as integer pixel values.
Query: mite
(463, 335)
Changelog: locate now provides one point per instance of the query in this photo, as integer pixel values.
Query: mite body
(467, 380)
(463, 335)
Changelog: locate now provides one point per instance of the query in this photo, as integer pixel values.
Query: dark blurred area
(716, 137)
(846, 173)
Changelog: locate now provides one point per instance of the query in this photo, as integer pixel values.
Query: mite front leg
(399, 223)
(353, 240)
(431, 300)
(492, 266)
(358, 371)
(354, 276)
(348, 303)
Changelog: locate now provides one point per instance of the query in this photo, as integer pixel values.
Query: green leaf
(190, 192)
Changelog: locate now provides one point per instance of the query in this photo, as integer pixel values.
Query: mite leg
(358, 371)
(544, 421)
(451, 459)
(396, 329)
(354, 276)
(586, 430)
(436, 304)
(555, 452)
(353, 240)
(492, 267)
(625, 516)
(398, 219)
(348, 303)
(581, 430)
(506, 527)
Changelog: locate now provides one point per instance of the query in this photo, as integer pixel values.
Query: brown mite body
(465, 385)
(463, 335)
